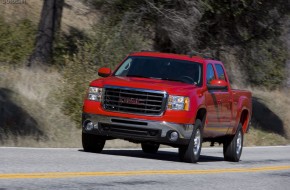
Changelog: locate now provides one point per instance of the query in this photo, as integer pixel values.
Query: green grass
(17, 41)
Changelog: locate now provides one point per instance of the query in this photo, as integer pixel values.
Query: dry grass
(258, 137)
(31, 10)
(275, 111)
(278, 102)
(76, 14)
(32, 92)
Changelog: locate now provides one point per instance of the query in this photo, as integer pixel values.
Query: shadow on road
(160, 155)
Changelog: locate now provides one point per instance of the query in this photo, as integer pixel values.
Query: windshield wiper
(173, 80)
(140, 76)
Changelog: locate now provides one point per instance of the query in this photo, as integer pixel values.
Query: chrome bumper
(124, 126)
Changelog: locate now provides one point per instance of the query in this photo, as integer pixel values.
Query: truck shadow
(263, 118)
(160, 155)
(14, 120)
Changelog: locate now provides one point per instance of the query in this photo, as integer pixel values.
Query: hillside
(43, 107)
(75, 14)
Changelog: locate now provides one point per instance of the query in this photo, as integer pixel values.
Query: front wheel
(151, 148)
(93, 143)
(191, 152)
(233, 149)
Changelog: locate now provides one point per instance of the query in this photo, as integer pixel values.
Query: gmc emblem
(127, 100)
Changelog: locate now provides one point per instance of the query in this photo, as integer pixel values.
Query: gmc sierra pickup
(157, 98)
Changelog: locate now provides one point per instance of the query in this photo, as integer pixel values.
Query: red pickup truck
(158, 98)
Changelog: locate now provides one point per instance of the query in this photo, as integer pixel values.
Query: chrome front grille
(137, 101)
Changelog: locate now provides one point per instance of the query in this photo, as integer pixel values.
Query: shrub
(17, 40)
(264, 61)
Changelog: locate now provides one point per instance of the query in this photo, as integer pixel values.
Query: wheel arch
(201, 114)
(245, 120)
(243, 114)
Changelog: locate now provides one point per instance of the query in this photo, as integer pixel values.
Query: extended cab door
(212, 106)
(225, 99)
(217, 103)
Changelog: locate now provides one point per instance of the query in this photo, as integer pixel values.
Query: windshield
(161, 68)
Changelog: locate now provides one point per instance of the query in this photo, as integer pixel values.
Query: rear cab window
(220, 72)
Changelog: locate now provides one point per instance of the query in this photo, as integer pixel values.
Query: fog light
(89, 126)
(173, 136)
(96, 126)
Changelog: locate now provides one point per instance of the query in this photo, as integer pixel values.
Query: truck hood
(171, 87)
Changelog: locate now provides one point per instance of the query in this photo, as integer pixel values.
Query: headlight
(95, 94)
(178, 103)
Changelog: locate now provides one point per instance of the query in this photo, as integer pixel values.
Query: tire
(93, 143)
(191, 152)
(151, 148)
(233, 149)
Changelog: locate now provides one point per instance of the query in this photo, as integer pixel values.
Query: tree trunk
(49, 25)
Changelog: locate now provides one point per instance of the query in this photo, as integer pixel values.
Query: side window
(209, 73)
(220, 72)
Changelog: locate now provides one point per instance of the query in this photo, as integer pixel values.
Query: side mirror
(104, 72)
(217, 85)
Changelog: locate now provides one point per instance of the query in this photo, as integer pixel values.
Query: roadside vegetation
(48, 100)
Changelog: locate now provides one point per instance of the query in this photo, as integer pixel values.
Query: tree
(49, 25)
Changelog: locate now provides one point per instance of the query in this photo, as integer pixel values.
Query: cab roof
(172, 56)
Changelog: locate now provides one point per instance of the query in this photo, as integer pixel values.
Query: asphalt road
(32, 168)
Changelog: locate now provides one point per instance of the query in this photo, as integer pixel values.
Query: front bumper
(137, 130)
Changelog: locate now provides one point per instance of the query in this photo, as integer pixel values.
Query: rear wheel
(233, 149)
(151, 148)
(93, 143)
(191, 152)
